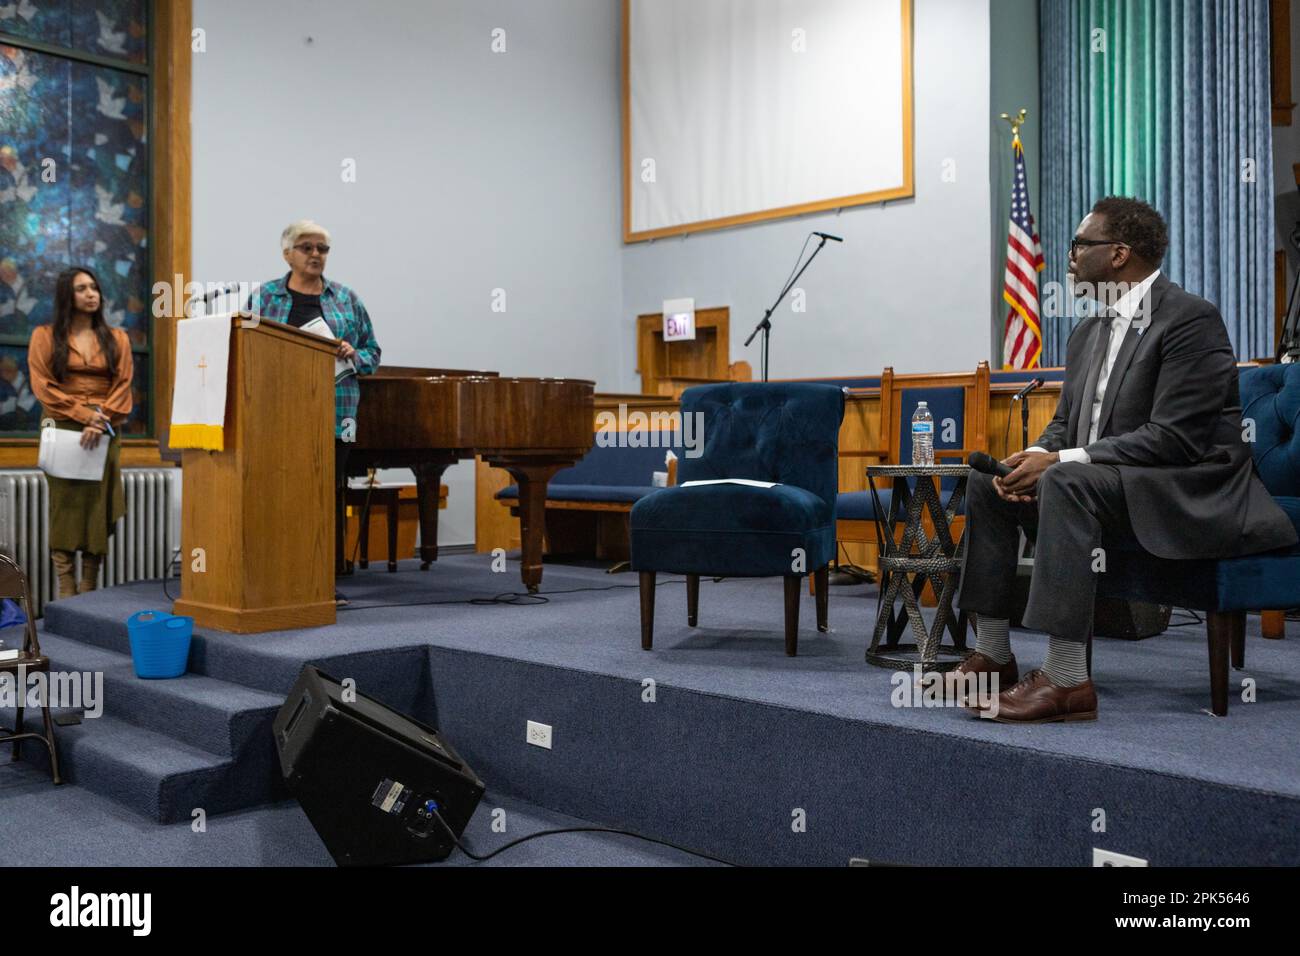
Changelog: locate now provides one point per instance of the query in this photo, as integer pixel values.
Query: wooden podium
(262, 511)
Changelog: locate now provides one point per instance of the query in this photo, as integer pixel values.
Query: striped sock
(1067, 662)
(993, 638)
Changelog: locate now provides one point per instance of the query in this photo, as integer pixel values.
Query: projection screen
(740, 110)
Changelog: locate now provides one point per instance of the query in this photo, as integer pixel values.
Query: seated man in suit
(1146, 447)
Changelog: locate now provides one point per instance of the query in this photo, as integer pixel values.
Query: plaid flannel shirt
(350, 322)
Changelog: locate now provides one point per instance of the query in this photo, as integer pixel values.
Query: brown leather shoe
(976, 663)
(1036, 700)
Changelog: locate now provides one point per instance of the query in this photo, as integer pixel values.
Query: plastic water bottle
(922, 436)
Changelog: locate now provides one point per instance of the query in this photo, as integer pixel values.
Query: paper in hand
(61, 455)
(342, 367)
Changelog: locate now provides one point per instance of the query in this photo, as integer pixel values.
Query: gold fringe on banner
(207, 437)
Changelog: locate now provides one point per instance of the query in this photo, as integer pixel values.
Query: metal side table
(906, 564)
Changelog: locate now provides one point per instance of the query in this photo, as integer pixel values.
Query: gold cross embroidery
(203, 370)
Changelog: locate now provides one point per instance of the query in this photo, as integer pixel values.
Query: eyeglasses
(1076, 243)
(309, 248)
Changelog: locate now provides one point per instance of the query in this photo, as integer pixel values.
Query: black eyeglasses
(1076, 243)
(309, 248)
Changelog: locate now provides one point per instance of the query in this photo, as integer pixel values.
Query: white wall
(475, 171)
(909, 287)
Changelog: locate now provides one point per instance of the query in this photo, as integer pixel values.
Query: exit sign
(679, 320)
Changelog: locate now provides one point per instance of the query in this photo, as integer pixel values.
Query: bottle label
(922, 428)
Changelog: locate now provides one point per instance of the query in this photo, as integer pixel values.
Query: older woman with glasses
(305, 295)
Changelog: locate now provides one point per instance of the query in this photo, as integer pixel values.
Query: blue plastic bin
(160, 643)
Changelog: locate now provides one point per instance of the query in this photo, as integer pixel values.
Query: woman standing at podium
(81, 372)
(303, 296)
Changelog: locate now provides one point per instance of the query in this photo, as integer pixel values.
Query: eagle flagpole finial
(1016, 122)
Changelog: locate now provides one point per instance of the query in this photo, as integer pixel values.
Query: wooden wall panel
(170, 234)
(1042, 406)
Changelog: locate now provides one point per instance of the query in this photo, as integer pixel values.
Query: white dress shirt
(1125, 309)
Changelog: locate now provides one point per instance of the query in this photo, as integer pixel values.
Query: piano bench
(396, 506)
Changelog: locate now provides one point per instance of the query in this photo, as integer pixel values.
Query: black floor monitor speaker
(1129, 620)
(370, 778)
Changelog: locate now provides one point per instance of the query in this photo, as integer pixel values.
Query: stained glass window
(74, 179)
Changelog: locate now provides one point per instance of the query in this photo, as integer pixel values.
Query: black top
(305, 307)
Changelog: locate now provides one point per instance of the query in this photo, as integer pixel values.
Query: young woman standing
(81, 371)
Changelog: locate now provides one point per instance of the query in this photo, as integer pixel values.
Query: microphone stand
(765, 326)
(1023, 399)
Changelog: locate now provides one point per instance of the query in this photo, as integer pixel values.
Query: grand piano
(426, 419)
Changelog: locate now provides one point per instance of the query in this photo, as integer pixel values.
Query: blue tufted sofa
(1227, 588)
(784, 432)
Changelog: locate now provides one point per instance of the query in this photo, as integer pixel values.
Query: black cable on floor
(849, 567)
(544, 833)
(1193, 618)
(515, 598)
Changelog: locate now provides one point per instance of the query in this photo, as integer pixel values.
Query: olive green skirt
(83, 513)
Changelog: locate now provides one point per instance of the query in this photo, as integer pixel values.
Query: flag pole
(1019, 258)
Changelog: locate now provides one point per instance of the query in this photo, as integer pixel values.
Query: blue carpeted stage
(735, 742)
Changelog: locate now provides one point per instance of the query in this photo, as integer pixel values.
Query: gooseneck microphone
(827, 235)
(987, 464)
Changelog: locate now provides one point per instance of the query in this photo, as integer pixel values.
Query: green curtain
(1169, 101)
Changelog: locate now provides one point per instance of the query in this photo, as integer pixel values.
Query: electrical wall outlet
(1107, 858)
(539, 735)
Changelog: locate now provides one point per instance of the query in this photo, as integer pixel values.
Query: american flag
(1022, 342)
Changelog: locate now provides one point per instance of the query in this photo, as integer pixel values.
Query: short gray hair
(296, 230)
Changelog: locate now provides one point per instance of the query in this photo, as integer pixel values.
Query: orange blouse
(88, 381)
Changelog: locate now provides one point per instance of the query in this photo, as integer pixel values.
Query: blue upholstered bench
(582, 501)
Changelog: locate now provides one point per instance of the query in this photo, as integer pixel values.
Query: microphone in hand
(987, 464)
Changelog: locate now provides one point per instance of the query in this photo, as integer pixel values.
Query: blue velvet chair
(784, 432)
(1226, 589)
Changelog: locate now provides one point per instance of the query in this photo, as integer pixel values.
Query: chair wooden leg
(18, 722)
(692, 599)
(1273, 624)
(823, 595)
(363, 532)
(647, 609)
(1218, 628)
(393, 522)
(1239, 640)
(792, 583)
(53, 748)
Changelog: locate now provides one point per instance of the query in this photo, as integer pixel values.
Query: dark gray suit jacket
(1171, 422)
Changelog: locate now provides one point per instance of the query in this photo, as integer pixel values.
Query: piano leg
(428, 479)
(532, 480)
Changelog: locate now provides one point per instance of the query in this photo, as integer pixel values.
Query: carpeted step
(216, 716)
(87, 620)
(269, 662)
(153, 774)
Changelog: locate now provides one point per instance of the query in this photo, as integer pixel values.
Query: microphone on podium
(987, 464)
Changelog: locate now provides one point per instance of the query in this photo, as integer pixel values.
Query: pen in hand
(107, 424)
